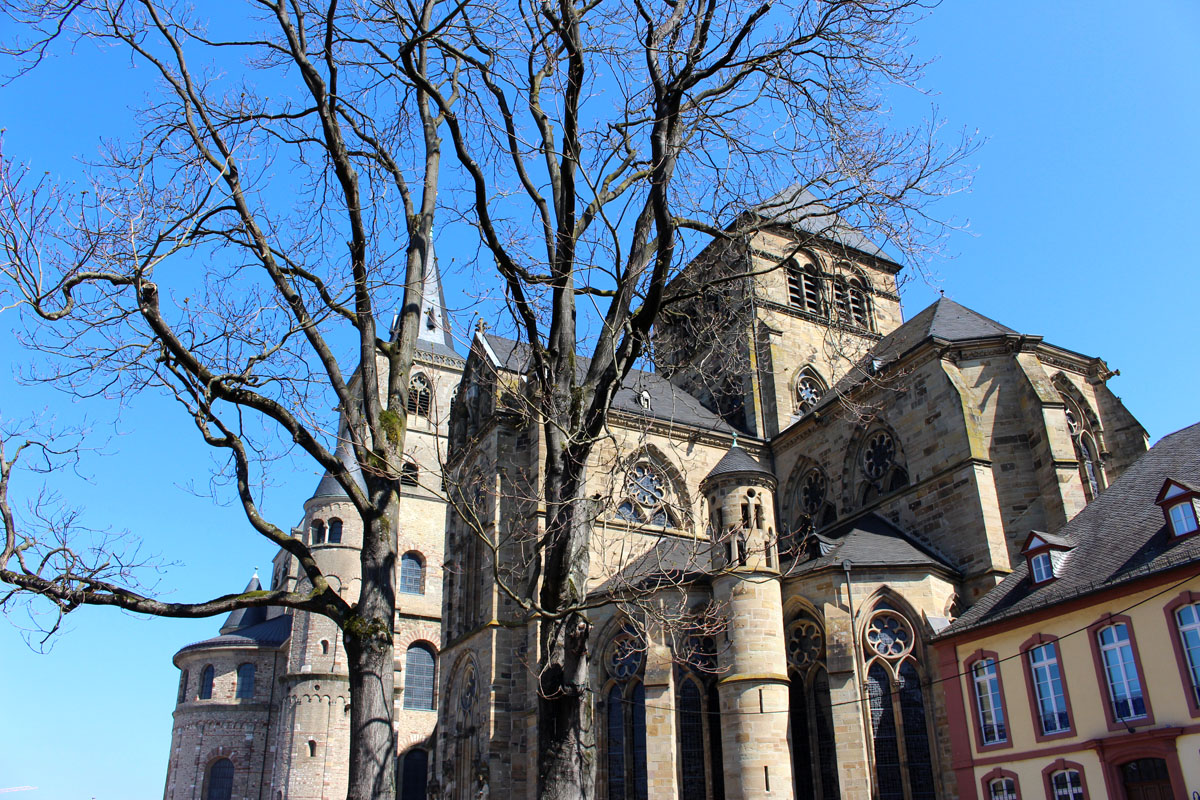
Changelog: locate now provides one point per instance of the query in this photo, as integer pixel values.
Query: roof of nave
(737, 460)
(643, 393)
(1119, 537)
(869, 541)
(800, 209)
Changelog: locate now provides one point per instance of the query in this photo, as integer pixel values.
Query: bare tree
(279, 197)
(605, 144)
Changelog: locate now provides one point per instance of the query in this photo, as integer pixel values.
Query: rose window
(808, 392)
(646, 498)
(812, 492)
(888, 635)
(805, 643)
(879, 455)
(624, 657)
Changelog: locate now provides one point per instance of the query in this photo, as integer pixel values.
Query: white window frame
(1191, 653)
(1002, 789)
(1120, 671)
(1048, 688)
(1068, 792)
(1183, 518)
(988, 703)
(1041, 566)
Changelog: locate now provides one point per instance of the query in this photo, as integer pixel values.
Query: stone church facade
(804, 492)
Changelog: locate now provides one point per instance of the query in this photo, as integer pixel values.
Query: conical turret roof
(737, 460)
(246, 617)
(329, 486)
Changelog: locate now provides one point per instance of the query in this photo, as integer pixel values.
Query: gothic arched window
(206, 682)
(419, 674)
(881, 466)
(412, 573)
(804, 288)
(809, 389)
(899, 726)
(1083, 438)
(220, 780)
(625, 719)
(420, 395)
(648, 497)
(850, 302)
(810, 712)
(245, 682)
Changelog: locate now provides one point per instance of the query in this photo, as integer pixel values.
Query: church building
(787, 511)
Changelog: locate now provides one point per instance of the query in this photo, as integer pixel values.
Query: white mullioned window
(1002, 789)
(987, 701)
(1067, 785)
(1042, 566)
(1183, 518)
(1124, 685)
(1188, 620)
(1048, 686)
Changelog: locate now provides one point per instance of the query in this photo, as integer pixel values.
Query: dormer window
(1041, 567)
(1178, 500)
(1183, 518)
(1045, 553)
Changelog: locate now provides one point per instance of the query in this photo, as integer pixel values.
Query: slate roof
(944, 319)
(737, 460)
(1055, 539)
(802, 210)
(245, 617)
(667, 401)
(269, 633)
(329, 486)
(870, 541)
(1119, 537)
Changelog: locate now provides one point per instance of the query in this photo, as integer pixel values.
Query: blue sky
(1079, 216)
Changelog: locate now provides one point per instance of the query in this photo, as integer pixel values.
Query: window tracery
(699, 718)
(625, 718)
(810, 711)
(810, 388)
(420, 395)
(899, 723)
(881, 466)
(649, 499)
(1082, 426)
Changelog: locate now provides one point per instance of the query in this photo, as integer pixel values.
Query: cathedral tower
(753, 685)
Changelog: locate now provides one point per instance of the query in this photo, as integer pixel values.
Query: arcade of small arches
(243, 683)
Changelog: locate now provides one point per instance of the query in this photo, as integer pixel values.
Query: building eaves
(270, 633)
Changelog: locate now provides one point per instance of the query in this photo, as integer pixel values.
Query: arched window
(220, 780)
(810, 712)
(412, 573)
(420, 394)
(899, 726)
(1067, 784)
(881, 466)
(419, 675)
(810, 388)
(312, 748)
(324, 647)
(413, 774)
(809, 504)
(245, 681)
(1082, 427)
(860, 314)
(318, 532)
(183, 686)
(625, 719)
(804, 288)
(699, 719)
(649, 498)
(206, 682)
(335, 531)
(409, 474)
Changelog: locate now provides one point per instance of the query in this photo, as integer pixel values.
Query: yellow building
(1078, 676)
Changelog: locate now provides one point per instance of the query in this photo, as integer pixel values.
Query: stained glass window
(206, 683)
(647, 498)
(883, 729)
(245, 681)
(691, 741)
(419, 673)
(412, 574)
(220, 780)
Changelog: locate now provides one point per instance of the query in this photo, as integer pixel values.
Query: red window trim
(977, 724)
(1062, 764)
(998, 772)
(1037, 640)
(1184, 598)
(1102, 678)
(1117, 751)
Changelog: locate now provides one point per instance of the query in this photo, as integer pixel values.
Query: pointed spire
(434, 324)
(245, 617)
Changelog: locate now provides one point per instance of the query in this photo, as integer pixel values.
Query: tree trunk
(370, 645)
(566, 740)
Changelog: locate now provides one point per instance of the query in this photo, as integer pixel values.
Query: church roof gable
(872, 541)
